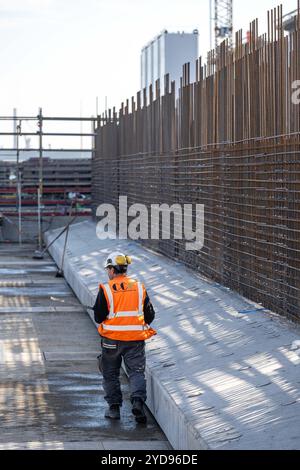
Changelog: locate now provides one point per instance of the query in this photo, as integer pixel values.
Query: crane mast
(223, 21)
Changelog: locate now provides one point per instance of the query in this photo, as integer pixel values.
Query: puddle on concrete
(17, 271)
(80, 405)
(12, 271)
(79, 388)
(34, 291)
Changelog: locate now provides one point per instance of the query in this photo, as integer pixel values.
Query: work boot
(113, 412)
(138, 411)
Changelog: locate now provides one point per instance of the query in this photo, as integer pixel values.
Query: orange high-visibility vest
(125, 299)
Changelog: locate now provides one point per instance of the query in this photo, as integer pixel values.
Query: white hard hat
(117, 259)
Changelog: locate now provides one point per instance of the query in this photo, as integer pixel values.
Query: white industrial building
(167, 53)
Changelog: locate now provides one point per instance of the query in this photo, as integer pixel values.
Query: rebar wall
(230, 142)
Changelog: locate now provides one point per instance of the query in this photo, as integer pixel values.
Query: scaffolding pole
(40, 193)
(19, 186)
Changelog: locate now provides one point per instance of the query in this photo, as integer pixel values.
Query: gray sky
(61, 54)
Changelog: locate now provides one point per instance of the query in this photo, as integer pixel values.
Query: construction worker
(124, 312)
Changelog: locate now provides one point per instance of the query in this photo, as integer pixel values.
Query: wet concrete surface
(51, 394)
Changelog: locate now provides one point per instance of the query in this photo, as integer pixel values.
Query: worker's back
(125, 299)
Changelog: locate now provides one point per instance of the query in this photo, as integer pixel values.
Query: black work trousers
(133, 354)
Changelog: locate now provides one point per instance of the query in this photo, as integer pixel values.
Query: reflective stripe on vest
(124, 328)
(141, 295)
(127, 314)
(111, 300)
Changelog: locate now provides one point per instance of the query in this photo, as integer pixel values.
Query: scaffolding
(38, 182)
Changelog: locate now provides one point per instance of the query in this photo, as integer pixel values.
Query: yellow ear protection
(123, 260)
(128, 259)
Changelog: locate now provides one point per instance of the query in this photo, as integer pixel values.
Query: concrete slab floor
(50, 388)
